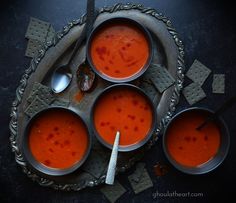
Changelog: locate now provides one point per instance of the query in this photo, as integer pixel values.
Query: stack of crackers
(38, 32)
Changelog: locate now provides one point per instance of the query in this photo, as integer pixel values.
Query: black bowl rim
(149, 134)
(190, 170)
(150, 44)
(39, 166)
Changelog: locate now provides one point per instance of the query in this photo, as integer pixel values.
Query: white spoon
(111, 171)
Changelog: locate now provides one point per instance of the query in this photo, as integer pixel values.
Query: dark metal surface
(208, 30)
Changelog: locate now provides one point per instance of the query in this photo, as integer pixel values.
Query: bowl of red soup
(127, 109)
(56, 141)
(119, 49)
(192, 150)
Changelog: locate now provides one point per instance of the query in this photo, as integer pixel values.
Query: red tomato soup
(123, 110)
(58, 139)
(191, 147)
(119, 50)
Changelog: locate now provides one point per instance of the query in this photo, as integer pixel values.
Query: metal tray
(168, 51)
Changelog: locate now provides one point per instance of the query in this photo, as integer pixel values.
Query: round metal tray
(168, 51)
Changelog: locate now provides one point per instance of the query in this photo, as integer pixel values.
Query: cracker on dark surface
(36, 105)
(160, 77)
(144, 182)
(43, 92)
(113, 192)
(218, 84)
(37, 29)
(148, 89)
(198, 72)
(33, 47)
(193, 93)
(136, 176)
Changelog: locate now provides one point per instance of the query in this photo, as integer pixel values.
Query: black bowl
(212, 163)
(34, 164)
(153, 127)
(120, 20)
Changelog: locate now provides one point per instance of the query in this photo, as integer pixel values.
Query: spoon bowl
(61, 79)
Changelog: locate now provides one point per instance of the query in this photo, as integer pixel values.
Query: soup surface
(191, 147)
(119, 50)
(58, 139)
(124, 110)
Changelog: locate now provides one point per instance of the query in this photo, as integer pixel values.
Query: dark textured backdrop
(207, 29)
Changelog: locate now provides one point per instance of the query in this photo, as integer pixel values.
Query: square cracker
(193, 93)
(136, 176)
(144, 182)
(148, 89)
(33, 47)
(160, 77)
(218, 84)
(36, 106)
(113, 192)
(41, 91)
(198, 73)
(37, 29)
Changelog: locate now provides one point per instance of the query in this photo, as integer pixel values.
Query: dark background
(207, 29)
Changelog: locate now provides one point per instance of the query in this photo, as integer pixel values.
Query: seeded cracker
(37, 29)
(113, 192)
(36, 106)
(43, 92)
(148, 89)
(33, 47)
(160, 77)
(193, 93)
(198, 73)
(144, 182)
(136, 176)
(218, 85)
(36, 85)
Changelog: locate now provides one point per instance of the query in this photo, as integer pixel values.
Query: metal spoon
(111, 171)
(226, 105)
(62, 75)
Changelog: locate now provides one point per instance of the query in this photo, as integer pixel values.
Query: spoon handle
(90, 16)
(226, 105)
(113, 159)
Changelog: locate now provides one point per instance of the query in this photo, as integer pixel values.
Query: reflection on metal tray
(168, 52)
